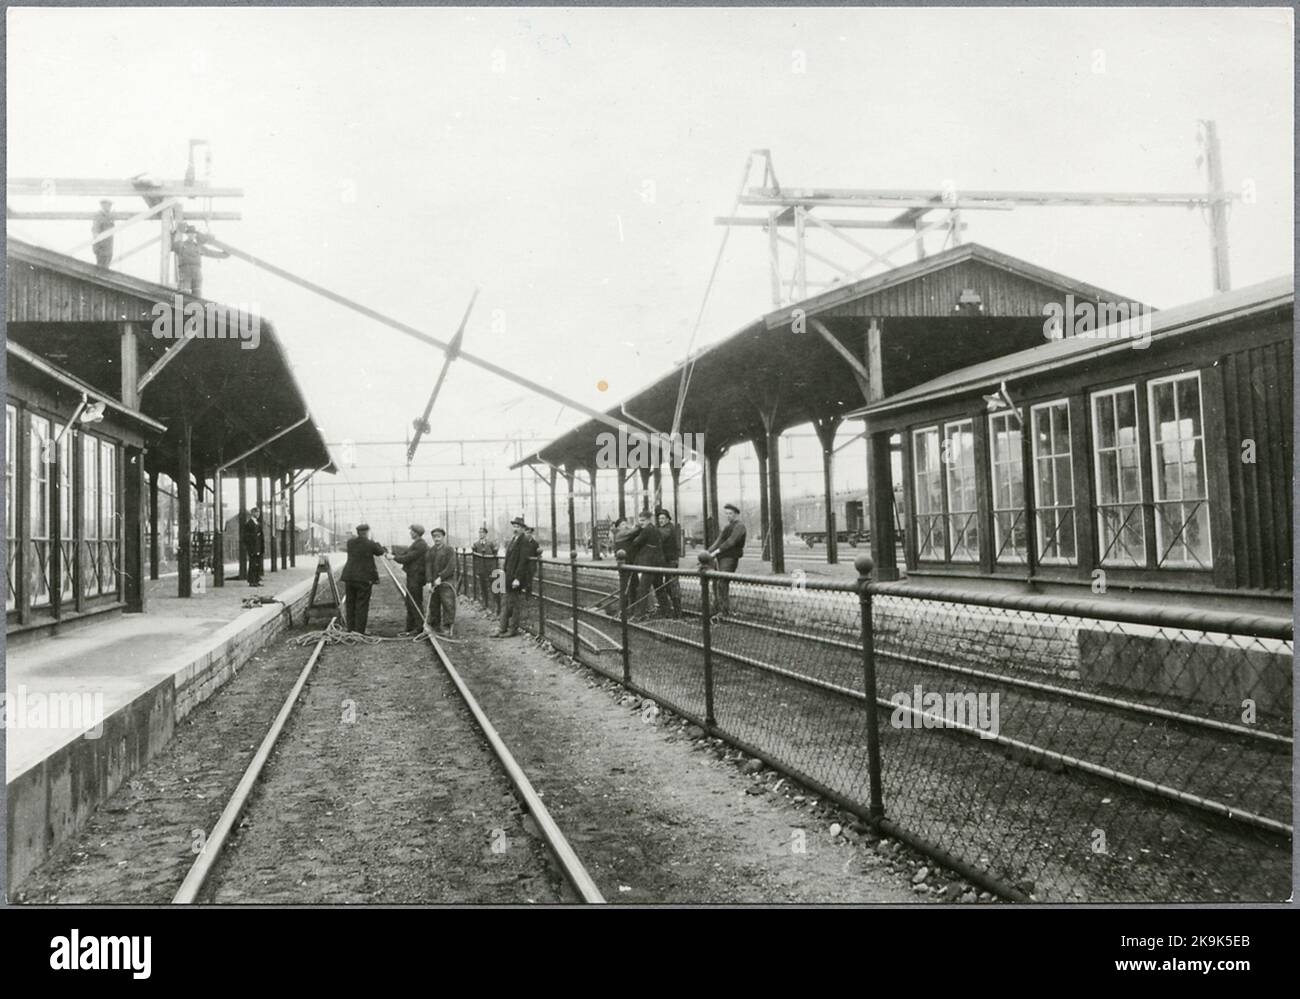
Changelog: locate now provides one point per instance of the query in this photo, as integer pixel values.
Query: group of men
(189, 246)
(425, 563)
(433, 563)
(655, 541)
(652, 541)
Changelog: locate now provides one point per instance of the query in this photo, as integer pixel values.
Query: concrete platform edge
(52, 799)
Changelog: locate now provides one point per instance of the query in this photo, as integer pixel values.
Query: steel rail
(207, 858)
(1121, 777)
(1065, 693)
(570, 865)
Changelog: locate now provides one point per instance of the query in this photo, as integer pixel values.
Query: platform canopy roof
(1122, 336)
(235, 396)
(961, 306)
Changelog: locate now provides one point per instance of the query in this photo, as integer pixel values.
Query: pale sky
(570, 164)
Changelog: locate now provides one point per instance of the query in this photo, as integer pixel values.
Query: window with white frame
(1121, 536)
(11, 507)
(89, 515)
(67, 540)
(1182, 498)
(38, 539)
(108, 526)
(927, 474)
(963, 515)
(1006, 455)
(1053, 483)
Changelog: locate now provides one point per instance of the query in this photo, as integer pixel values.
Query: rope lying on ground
(336, 634)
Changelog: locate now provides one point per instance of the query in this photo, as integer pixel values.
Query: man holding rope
(440, 572)
(411, 560)
(359, 575)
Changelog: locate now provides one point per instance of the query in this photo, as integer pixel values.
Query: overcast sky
(570, 164)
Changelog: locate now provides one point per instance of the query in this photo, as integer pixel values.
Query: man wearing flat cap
(516, 577)
(728, 550)
(440, 571)
(411, 559)
(359, 575)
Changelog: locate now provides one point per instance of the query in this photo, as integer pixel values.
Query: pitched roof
(1054, 354)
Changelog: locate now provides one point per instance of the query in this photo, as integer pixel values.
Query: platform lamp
(86, 412)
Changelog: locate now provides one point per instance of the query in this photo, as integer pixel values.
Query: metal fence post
(541, 599)
(864, 565)
(705, 615)
(621, 557)
(573, 572)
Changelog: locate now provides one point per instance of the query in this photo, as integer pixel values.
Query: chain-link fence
(1054, 749)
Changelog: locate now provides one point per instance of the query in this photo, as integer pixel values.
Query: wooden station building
(103, 396)
(1140, 458)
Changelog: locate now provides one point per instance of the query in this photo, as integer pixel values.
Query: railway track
(1045, 697)
(219, 845)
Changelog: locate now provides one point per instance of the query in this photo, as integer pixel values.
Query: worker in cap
(485, 564)
(359, 575)
(102, 223)
(672, 549)
(728, 550)
(190, 251)
(516, 578)
(440, 570)
(411, 559)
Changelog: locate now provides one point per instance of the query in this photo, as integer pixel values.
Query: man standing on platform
(254, 545)
(440, 571)
(359, 575)
(411, 559)
(728, 550)
(485, 565)
(517, 577)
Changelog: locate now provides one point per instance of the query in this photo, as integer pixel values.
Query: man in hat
(440, 571)
(190, 252)
(359, 575)
(516, 577)
(411, 559)
(672, 549)
(254, 545)
(728, 550)
(646, 548)
(484, 565)
(102, 223)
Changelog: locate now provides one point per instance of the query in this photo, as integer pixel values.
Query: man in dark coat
(672, 557)
(440, 571)
(728, 550)
(254, 545)
(359, 575)
(647, 549)
(516, 577)
(411, 559)
(485, 565)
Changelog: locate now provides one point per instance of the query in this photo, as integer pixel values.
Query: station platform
(88, 707)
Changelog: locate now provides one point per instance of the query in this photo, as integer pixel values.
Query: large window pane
(1178, 473)
(1120, 532)
(38, 539)
(963, 520)
(1054, 498)
(11, 507)
(1010, 541)
(927, 476)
